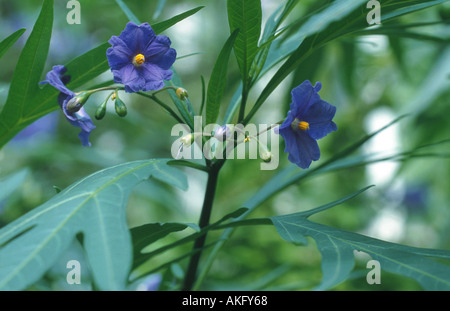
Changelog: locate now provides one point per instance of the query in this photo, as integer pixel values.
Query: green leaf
(9, 41)
(147, 234)
(271, 31)
(11, 183)
(336, 19)
(142, 257)
(24, 83)
(130, 15)
(82, 69)
(245, 16)
(181, 105)
(161, 26)
(337, 246)
(218, 79)
(19, 113)
(159, 9)
(94, 206)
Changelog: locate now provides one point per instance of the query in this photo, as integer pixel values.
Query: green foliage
(11, 183)
(337, 248)
(6, 43)
(93, 206)
(217, 82)
(245, 16)
(24, 84)
(292, 40)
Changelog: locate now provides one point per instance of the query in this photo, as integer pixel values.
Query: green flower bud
(181, 93)
(77, 102)
(101, 111)
(266, 156)
(187, 140)
(121, 109)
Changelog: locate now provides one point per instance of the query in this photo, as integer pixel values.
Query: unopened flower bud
(266, 155)
(75, 104)
(223, 132)
(101, 111)
(264, 152)
(188, 139)
(121, 109)
(181, 93)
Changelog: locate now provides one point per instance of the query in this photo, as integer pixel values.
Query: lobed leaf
(94, 206)
(337, 246)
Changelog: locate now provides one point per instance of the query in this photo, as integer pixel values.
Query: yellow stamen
(304, 126)
(138, 60)
(247, 139)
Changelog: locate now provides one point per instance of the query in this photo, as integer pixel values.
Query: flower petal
(119, 54)
(56, 78)
(131, 77)
(166, 60)
(319, 117)
(303, 96)
(159, 46)
(137, 38)
(155, 76)
(301, 147)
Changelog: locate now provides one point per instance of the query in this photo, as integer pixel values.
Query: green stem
(189, 164)
(243, 101)
(199, 243)
(167, 108)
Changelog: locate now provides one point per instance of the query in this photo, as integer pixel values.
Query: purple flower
(80, 118)
(140, 59)
(151, 283)
(308, 120)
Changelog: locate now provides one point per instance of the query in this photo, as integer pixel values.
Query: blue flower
(140, 59)
(80, 118)
(309, 119)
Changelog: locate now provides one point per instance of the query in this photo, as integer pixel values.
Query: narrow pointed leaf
(6, 43)
(125, 9)
(161, 26)
(24, 83)
(217, 81)
(245, 16)
(81, 69)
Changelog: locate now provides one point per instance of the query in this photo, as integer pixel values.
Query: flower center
(300, 125)
(138, 60)
(303, 125)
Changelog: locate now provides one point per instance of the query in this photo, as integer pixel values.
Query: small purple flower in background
(80, 118)
(140, 59)
(151, 283)
(38, 130)
(415, 198)
(309, 119)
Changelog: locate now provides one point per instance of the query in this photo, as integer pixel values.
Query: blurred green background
(371, 80)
